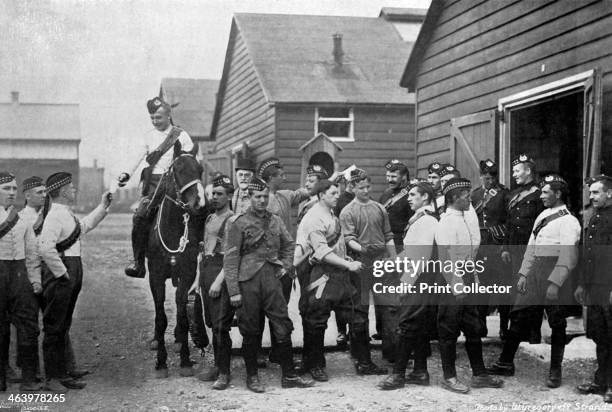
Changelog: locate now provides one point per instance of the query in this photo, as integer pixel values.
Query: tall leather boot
(290, 379)
(223, 359)
(480, 377)
(557, 349)
(360, 346)
(420, 375)
(403, 347)
(250, 347)
(29, 363)
(317, 355)
(140, 236)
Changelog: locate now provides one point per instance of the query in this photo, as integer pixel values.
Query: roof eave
(418, 50)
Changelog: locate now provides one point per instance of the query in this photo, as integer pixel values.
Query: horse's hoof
(176, 347)
(161, 373)
(153, 344)
(186, 371)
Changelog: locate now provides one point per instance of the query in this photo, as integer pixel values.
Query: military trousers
(599, 328)
(218, 312)
(60, 297)
(19, 306)
(263, 293)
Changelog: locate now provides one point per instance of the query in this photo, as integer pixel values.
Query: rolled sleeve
(231, 261)
(347, 224)
(318, 242)
(92, 220)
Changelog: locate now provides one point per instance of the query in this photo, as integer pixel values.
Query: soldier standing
(595, 285)
(458, 241)
(281, 202)
(489, 201)
(217, 310)
(544, 284)
(163, 137)
(245, 169)
(414, 312)
(368, 236)
(395, 200)
(19, 282)
(258, 251)
(60, 248)
(523, 207)
(320, 240)
(314, 174)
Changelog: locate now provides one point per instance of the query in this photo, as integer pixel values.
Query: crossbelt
(319, 285)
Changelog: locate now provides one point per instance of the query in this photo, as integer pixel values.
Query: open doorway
(550, 130)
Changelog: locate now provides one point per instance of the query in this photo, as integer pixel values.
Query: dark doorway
(324, 160)
(551, 132)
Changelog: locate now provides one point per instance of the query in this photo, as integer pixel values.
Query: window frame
(350, 119)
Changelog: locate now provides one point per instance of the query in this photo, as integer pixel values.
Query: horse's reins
(184, 240)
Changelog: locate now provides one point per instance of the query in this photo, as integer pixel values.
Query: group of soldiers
(529, 240)
(41, 271)
(252, 254)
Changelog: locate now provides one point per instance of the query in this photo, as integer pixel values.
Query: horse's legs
(157, 282)
(182, 322)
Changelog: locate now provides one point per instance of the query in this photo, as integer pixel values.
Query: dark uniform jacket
(522, 213)
(490, 206)
(398, 209)
(597, 259)
(251, 241)
(344, 199)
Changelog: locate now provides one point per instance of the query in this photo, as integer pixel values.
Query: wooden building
(39, 138)
(91, 187)
(497, 78)
(290, 78)
(193, 102)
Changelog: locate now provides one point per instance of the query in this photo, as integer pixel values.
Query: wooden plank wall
(381, 133)
(246, 115)
(481, 51)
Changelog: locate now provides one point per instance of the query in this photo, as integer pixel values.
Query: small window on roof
(335, 122)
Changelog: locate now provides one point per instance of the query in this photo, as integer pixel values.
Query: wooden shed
(496, 78)
(288, 78)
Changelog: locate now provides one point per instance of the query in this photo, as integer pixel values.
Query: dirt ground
(114, 322)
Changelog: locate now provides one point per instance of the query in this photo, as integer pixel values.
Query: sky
(109, 56)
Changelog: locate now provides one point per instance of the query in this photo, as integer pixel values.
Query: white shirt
(20, 243)
(29, 214)
(558, 238)
(419, 239)
(458, 240)
(153, 139)
(59, 224)
(316, 227)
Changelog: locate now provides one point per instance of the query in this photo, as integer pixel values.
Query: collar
(242, 193)
(422, 209)
(455, 212)
(251, 212)
(555, 209)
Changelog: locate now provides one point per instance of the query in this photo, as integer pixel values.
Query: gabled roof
(292, 55)
(403, 14)
(195, 100)
(418, 50)
(34, 121)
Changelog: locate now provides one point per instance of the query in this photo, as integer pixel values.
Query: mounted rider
(157, 153)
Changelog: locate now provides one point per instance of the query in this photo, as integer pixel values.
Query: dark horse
(173, 250)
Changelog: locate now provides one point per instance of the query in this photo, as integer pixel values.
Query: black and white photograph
(324, 205)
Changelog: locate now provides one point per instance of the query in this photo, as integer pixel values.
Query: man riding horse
(164, 137)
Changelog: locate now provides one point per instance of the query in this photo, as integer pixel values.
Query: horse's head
(186, 172)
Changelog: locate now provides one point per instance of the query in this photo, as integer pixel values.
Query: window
(335, 122)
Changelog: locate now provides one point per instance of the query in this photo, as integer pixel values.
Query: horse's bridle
(184, 240)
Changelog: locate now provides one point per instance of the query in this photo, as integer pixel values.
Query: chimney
(338, 53)
(15, 98)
